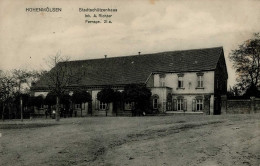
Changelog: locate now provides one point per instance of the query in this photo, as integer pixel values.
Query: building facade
(180, 81)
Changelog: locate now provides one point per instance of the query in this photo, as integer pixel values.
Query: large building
(180, 81)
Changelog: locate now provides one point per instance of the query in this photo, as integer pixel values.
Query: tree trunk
(81, 109)
(115, 107)
(107, 108)
(21, 107)
(57, 117)
(90, 107)
(9, 110)
(3, 112)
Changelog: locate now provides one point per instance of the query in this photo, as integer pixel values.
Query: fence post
(252, 104)
(224, 104)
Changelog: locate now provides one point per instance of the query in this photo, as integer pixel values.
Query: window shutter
(193, 105)
(169, 106)
(185, 104)
(174, 105)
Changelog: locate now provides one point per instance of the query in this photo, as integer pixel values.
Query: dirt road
(164, 140)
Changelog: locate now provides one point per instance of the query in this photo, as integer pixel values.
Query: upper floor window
(200, 80)
(180, 81)
(162, 80)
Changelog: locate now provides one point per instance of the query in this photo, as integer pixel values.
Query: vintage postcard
(140, 82)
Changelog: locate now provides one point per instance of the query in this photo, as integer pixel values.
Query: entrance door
(217, 106)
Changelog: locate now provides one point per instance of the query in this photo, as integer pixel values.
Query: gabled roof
(137, 68)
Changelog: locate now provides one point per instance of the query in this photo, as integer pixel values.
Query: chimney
(105, 56)
(139, 52)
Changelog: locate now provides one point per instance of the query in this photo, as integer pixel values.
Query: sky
(28, 39)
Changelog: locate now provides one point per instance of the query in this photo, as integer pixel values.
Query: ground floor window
(102, 105)
(155, 100)
(155, 103)
(199, 105)
(129, 105)
(179, 104)
(77, 106)
(169, 105)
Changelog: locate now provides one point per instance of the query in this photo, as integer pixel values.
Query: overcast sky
(148, 26)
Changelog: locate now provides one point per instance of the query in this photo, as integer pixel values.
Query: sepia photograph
(136, 83)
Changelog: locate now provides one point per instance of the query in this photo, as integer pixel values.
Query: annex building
(187, 80)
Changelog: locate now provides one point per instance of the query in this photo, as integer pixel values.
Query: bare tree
(23, 79)
(7, 84)
(60, 77)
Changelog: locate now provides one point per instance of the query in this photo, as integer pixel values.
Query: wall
(241, 106)
(207, 102)
(190, 80)
(221, 77)
(189, 91)
(238, 106)
(162, 93)
(257, 105)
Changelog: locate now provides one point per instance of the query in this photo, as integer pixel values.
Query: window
(102, 105)
(155, 103)
(179, 104)
(155, 98)
(200, 80)
(77, 106)
(180, 81)
(169, 102)
(162, 80)
(129, 105)
(199, 105)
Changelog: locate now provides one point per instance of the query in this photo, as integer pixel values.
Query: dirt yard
(162, 140)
